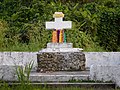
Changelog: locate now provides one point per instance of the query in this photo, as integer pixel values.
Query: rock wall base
(60, 61)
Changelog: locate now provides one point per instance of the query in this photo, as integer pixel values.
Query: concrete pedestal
(59, 45)
(57, 58)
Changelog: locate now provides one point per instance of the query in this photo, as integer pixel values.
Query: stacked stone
(61, 61)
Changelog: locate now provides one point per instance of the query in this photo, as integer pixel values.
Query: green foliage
(3, 28)
(40, 88)
(83, 40)
(6, 87)
(25, 24)
(23, 75)
(109, 28)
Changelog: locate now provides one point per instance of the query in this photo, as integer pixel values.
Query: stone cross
(58, 25)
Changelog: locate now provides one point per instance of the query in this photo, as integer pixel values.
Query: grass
(87, 81)
(30, 87)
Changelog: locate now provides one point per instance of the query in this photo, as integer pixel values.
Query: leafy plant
(25, 29)
(3, 28)
(23, 74)
(108, 29)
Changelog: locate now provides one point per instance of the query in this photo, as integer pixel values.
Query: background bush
(96, 24)
(109, 28)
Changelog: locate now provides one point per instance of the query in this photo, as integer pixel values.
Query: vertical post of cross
(58, 26)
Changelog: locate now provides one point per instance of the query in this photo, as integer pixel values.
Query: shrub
(26, 22)
(109, 28)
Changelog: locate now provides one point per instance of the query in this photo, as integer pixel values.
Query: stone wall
(105, 73)
(92, 58)
(61, 61)
(18, 58)
(102, 58)
(104, 66)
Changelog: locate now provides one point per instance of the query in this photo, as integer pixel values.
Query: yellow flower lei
(58, 15)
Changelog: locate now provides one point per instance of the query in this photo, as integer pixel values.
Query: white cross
(59, 24)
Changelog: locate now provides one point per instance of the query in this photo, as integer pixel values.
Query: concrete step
(66, 79)
(60, 76)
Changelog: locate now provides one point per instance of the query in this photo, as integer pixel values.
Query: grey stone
(18, 58)
(102, 58)
(105, 73)
(59, 45)
(92, 58)
(8, 72)
(57, 61)
(59, 76)
(102, 73)
(61, 50)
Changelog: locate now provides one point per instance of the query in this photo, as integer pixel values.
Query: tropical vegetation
(96, 24)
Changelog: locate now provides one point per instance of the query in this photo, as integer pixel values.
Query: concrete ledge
(18, 58)
(92, 58)
(8, 73)
(59, 45)
(62, 50)
(109, 59)
(105, 73)
(59, 76)
(102, 58)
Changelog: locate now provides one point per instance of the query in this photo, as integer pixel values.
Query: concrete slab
(8, 73)
(92, 58)
(61, 50)
(105, 73)
(59, 76)
(102, 58)
(59, 45)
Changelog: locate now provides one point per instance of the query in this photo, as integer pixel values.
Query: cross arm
(59, 25)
